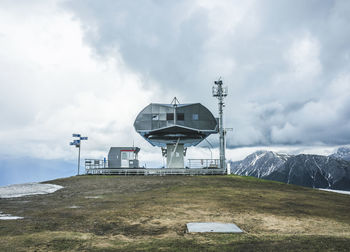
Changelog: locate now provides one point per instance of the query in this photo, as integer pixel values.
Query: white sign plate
(212, 227)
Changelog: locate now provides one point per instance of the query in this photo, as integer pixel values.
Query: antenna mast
(221, 92)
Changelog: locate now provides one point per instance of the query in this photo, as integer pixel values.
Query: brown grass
(150, 213)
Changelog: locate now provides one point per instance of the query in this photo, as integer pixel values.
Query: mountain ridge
(315, 171)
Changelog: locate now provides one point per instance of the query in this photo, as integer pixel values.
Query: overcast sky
(90, 66)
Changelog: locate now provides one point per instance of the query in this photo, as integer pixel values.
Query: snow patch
(257, 157)
(74, 207)
(13, 191)
(336, 191)
(9, 217)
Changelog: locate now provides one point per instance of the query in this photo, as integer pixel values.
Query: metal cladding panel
(182, 123)
(193, 116)
(162, 124)
(162, 116)
(163, 109)
(155, 109)
(155, 124)
(114, 159)
(147, 110)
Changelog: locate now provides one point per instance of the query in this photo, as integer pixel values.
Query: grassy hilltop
(130, 213)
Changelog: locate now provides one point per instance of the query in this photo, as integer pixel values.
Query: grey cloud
(181, 46)
(157, 38)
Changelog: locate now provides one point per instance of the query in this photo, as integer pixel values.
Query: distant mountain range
(316, 171)
(342, 153)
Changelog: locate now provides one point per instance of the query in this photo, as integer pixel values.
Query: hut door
(125, 159)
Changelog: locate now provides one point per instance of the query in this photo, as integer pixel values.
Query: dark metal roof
(192, 123)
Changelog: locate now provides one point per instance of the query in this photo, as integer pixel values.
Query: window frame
(170, 116)
(182, 116)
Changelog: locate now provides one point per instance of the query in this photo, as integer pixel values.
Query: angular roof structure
(188, 124)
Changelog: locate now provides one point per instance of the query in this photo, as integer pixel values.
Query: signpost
(77, 143)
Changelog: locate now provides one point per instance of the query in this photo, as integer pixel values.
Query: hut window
(170, 116)
(124, 155)
(180, 116)
(195, 117)
(155, 117)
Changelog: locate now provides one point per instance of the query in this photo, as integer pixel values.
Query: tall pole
(79, 160)
(221, 126)
(220, 93)
(77, 144)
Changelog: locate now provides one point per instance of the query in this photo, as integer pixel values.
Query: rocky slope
(259, 164)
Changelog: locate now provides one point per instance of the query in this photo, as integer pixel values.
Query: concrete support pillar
(175, 155)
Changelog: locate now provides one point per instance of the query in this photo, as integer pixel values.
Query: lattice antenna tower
(221, 92)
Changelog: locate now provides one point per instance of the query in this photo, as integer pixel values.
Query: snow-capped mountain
(342, 153)
(306, 170)
(259, 164)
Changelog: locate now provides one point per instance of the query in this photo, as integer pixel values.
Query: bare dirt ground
(137, 213)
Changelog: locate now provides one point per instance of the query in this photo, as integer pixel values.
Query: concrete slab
(212, 227)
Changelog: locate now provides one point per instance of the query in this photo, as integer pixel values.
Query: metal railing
(203, 163)
(155, 171)
(196, 167)
(95, 164)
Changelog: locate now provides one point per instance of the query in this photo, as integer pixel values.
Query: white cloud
(53, 85)
(303, 58)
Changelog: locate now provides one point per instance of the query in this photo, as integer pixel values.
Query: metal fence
(95, 164)
(196, 167)
(203, 163)
(155, 171)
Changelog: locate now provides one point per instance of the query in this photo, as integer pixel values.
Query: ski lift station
(173, 127)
